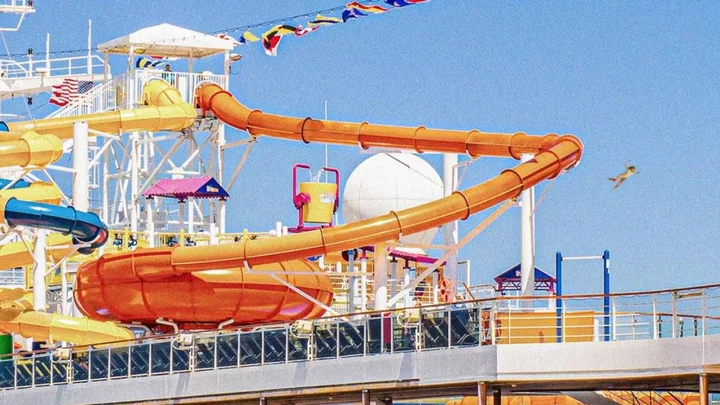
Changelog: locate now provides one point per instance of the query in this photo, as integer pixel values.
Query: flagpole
(326, 146)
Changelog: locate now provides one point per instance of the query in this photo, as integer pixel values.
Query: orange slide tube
(143, 267)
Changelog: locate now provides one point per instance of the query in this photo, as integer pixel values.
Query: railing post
(262, 347)
(493, 326)
(449, 327)
(703, 329)
(239, 348)
(129, 352)
(109, 364)
(32, 370)
(656, 329)
(614, 323)
(558, 294)
(606, 292)
(90, 361)
(215, 349)
(287, 343)
(337, 339)
(674, 315)
(563, 324)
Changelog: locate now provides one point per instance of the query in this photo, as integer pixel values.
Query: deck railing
(665, 314)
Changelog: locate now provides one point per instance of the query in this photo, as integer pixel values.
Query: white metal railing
(186, 83)
(677, 313)
(12, 278)
(57, 67)
(101, 98)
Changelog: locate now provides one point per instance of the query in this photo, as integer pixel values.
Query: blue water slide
(85, 227)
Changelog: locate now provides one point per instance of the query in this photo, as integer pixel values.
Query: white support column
(134, 181)
(64, 307)
(380, 266)
(181, 217)
(450, 230)
(351, 283)
(191, 214)
(150, 221)
(222, 216)
(106, 184)
(81, 187)
(527, 238)
(39, 287)
(393, 277)
(407, 298)
(363, 282)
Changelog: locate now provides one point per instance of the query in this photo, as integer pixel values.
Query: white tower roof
(168, 40)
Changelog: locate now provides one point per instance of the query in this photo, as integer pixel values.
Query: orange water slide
(553, 154)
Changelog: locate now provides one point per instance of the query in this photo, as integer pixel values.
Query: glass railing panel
(180, 358)
(204, 352)
(325, 336)
(403, 333)
(139, 359)
(80, 367)
(435, 329)
(227, 350)
(24, 372)
(250, 348)
(275, 345)
(297, 347)
(160, 357)
(42, 369)
(7, 373)
(464, 327)
(379, 333)
(352, 338)
(60, 371)
(99, 364)
(119, 362)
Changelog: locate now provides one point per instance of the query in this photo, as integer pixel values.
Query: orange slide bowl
(200, 299)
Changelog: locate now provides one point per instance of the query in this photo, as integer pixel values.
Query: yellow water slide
(38, 143)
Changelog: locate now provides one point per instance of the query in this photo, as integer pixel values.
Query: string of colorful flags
(353, 10)
(272, 37)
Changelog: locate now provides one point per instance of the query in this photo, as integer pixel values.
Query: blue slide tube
(85, 227)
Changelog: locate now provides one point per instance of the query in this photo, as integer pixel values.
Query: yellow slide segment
(16, 254)
(165, 112)
(39, 143)
(42, 326)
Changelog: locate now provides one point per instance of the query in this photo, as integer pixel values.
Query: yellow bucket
(322, 202)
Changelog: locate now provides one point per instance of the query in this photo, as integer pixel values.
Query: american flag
(68, 91)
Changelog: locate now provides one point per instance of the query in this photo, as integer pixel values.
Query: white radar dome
(390, 182)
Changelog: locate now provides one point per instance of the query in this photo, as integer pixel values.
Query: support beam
(527, 237)
(134, 180)
(351, 282)
(450, 230)
(263, 401)
(467, 238)
(81, 179)
(497, 397)
(39, 287)
(704, 392)
(365, 397)
(482, 393)
(380, 263)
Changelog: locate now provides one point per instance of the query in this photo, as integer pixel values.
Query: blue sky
(634, 80)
